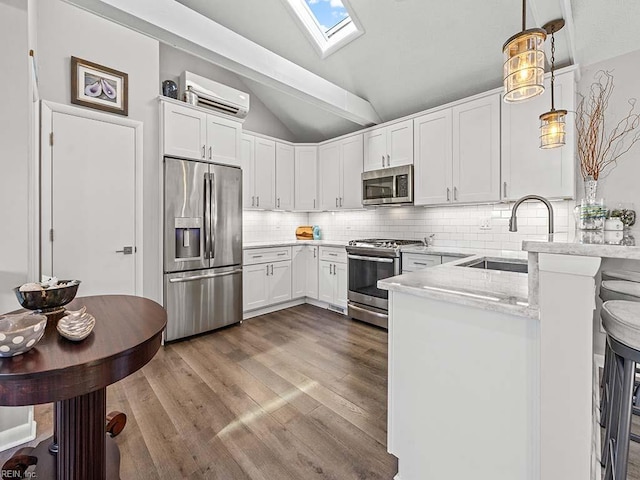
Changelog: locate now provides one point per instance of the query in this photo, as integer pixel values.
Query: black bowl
(49, 299)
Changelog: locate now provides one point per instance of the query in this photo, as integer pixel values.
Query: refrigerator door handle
(207, 215)
(214, 213)
(204, 277)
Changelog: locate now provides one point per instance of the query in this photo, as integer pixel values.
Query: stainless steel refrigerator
(202, 246)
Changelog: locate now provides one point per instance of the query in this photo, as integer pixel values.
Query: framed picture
(99, 87)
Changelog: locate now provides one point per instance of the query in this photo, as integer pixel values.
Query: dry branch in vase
(598, 149)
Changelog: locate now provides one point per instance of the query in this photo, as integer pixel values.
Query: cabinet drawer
(415, 261)
(333, 254)
(254, 256)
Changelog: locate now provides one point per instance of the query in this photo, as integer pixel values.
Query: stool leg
(613, 408)
(604, 396)
(624, 422)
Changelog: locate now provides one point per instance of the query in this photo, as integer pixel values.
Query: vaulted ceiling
(417, 54)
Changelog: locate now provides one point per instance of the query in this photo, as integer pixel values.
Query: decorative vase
(590, 189)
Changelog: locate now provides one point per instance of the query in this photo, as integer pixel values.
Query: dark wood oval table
(75, 375)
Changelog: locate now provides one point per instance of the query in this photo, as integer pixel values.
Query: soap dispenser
(316, 232)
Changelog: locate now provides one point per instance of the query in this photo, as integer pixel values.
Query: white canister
(613, 224)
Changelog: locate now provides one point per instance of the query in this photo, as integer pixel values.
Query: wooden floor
(294, 395)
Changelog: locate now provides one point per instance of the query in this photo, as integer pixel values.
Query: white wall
(260, 119)
(65, 31)
(14, 150)
(622, 183)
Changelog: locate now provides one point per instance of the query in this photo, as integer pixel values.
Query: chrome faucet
(513, 221)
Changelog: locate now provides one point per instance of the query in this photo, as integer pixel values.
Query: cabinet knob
(210, 153)
(203, 149)
(336, 202)
(388, 160)
(448, 195)
(382, 161)
(504, 190)
(455, 193)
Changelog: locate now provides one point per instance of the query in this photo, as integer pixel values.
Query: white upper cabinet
(185, 131)
(457, 153)
(258, 172)
(306, 177)
(433, 168)
(330, 175)
(351, 169)
(190, 133)
(389, 146)
(247, 155)
(284, 176)
(476, 150)
(223, 141)
(340, 174)
(526, 168)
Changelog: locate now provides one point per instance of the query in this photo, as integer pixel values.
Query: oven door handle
(371, 259)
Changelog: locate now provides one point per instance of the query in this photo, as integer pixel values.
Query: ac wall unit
(215, 96)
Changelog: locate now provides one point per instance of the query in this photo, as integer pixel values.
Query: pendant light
(523, 69)
(552, 123)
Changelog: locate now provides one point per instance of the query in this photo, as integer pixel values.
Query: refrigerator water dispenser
(187, 231)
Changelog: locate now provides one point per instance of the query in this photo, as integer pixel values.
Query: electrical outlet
(485, 223)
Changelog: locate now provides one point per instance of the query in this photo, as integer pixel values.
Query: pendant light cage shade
(523, 70)
(552, 129)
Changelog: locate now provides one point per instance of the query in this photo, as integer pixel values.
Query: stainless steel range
(369, 261)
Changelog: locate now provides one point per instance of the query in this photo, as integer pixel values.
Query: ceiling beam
(175, 24)
(567, 14)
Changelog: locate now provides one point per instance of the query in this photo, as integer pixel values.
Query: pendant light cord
(553, 61)
(524, 15)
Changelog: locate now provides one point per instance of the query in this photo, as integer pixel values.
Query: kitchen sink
(504, 265)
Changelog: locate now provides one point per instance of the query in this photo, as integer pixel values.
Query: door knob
(126, 250)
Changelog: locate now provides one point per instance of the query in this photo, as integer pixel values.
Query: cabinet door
(326, 282)
(400, 143)
(255, 286)
(247, 155)
(329, 175)
(185, 131)
(476, 150)
(284, 176)
(341, 284)
(265, 173)
(433, 166)
(223, 140)
(312, 272)
(280, 282)
(299, 271)
(526, 168)
(375, 149)
(351, 180)
(306, 178)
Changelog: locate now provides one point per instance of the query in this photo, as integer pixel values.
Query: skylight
(329, 24)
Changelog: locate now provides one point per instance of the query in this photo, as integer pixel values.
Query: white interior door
(92, 203)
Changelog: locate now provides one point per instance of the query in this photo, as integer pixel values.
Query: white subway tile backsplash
(455, 226)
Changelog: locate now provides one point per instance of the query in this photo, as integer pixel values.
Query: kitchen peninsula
(491, 373)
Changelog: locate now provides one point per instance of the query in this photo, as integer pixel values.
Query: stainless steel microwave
(388, 186)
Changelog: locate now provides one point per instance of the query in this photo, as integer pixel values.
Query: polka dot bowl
(20, 332)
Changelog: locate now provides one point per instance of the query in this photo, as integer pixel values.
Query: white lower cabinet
(305, 272)
(332, 278)
(412, 262)
(266, 277)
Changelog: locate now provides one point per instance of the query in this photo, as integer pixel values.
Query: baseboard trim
(293, 303)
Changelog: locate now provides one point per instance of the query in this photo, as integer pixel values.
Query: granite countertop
(294, 242)
(588, 243)
(499, 291)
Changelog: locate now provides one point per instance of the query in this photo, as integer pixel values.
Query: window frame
(335, 38)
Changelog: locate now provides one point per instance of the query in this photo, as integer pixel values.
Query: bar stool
(614, 290)
(627, 275)
(621, 321)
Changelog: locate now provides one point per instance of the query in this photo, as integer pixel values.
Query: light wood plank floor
(294, 395)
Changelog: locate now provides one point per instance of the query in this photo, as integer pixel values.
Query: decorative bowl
(77, 325)
(49, 299)
(20, 332)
